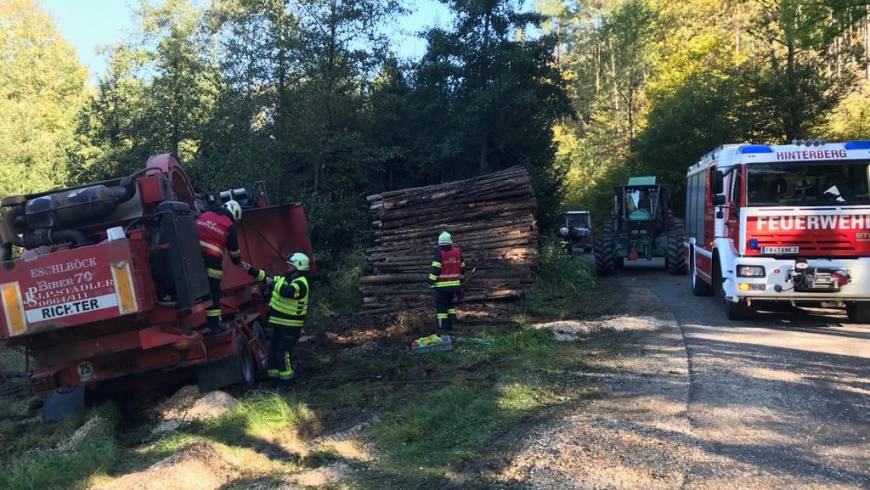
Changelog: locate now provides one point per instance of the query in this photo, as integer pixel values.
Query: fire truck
(781, 223)
(106, 281)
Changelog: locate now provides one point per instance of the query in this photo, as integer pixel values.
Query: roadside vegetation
(564, 287)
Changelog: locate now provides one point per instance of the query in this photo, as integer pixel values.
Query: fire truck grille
(829, 243)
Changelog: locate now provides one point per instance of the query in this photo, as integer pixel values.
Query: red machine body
(104, 293)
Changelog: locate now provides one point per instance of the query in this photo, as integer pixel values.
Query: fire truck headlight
(750, 271)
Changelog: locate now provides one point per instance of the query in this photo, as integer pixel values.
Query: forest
(311, 97)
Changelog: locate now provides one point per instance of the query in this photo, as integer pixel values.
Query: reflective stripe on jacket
(289, 311)
(449, 267)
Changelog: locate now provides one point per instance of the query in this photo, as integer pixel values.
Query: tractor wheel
(604, 264)
(676, 259)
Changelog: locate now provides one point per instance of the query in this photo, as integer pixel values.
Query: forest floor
(604, 397)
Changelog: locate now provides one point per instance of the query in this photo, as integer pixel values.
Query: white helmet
(298, 260)
(234, 208)
(445, 239)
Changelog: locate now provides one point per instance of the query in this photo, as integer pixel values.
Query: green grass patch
(564, 285)
(55, 456)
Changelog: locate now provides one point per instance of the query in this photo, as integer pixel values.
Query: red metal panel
(267, 236)
(73, 287)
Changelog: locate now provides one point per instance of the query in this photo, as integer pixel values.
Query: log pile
(492, 218)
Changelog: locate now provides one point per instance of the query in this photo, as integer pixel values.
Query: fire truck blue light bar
(745, 149)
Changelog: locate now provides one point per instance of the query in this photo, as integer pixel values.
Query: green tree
(41, 88)
(489, 95)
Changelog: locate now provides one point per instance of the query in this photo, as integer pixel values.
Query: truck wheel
(604, 251)
(858, 312)
(699, 287)
(676, 258)
(733, 311)
(247, 363)
(260, 333)
(237, 368)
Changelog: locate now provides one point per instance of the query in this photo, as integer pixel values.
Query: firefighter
(448, 267)
(217, 230)
(287, 309)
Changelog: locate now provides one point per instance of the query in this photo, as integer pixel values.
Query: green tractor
(643, 226)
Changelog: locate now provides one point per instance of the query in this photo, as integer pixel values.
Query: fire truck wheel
(858, 312)
(676, 258)
(604, 251)
(699, 287)
(733, 311)
(737, 311)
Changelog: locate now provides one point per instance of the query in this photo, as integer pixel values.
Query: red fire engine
(781, 223)
(107, 280)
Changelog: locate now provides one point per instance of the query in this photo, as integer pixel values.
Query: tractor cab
(642, 203)
(577, 231)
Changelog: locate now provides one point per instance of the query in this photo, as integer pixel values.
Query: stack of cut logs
(492, 218)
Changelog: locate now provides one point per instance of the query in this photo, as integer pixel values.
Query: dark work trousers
(284, 339)
(445, 313)
(214, 267)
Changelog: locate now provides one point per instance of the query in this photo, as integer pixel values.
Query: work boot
(273, 373)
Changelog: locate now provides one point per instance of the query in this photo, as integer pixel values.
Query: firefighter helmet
(234, 208)
(445, 239)
(298, 260)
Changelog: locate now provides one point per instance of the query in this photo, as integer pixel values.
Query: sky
(91, 24)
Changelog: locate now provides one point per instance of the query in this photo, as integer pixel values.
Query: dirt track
(782, 401)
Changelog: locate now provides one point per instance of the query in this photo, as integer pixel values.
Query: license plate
(779, 250)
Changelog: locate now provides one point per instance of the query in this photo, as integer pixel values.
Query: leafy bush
(563, 283)
(336, 289)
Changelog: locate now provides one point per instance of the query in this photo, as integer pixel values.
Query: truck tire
(733, 311)
(235, 369)
(858, 312)
(699, 287)
(676, 258)
(604, 264)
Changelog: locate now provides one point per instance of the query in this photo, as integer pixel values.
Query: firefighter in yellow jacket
(287, 309)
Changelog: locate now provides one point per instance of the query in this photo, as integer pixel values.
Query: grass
(564, 287)
(36, 457)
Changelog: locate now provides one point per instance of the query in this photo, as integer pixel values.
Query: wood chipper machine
(105, 281)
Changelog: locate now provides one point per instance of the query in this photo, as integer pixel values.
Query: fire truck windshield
(808, 184)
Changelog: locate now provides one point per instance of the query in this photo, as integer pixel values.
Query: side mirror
(717, 183)
(719, 199)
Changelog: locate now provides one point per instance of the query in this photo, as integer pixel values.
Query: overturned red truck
(107, 280)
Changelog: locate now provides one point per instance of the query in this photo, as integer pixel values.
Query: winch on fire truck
(786, 223)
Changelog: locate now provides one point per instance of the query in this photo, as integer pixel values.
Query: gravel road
(781, 401)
